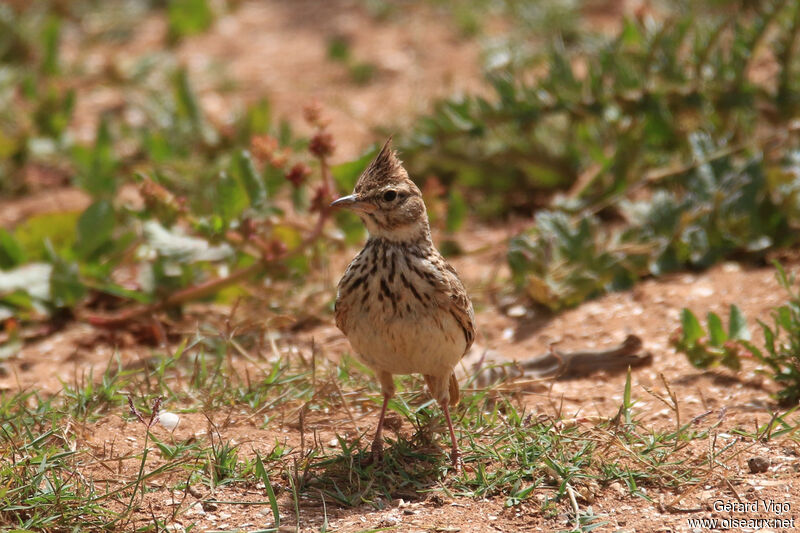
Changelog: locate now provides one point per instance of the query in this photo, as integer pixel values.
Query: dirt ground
(278, 49)
(650, 311)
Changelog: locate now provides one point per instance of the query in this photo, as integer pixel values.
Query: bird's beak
(352, 202)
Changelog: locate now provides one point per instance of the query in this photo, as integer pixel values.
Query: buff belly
(419, 342)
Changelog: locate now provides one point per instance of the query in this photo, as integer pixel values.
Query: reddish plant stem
(326, 177)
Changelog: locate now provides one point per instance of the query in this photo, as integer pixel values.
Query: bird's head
(388, 202)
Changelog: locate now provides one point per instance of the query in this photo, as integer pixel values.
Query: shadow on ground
(411, 467)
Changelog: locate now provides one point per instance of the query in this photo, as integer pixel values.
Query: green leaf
(273, 501)
(51, 37)
(631, 35)
(157, 146)
(701, 356)
(66, 288)
(738, 325)
(11, 253)
(627, 403)
(231, 197)
(692, 330)
(274, 180)
(94, 229)
(18, 299)
(783, 317)
(362, 72)
(188, 17)
(753, 349)
(715, 330)
(121, 292)
(780, 274)
(456, 211)
(338, 48)
(257, 119)
(769, 339)
(730, 359)
(56, 228)
(245, 170)
(299, 196)
(188, 108)
(97, 165)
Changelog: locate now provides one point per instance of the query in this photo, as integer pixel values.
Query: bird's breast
(391, 314)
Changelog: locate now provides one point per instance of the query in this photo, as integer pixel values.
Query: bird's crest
(385, 168)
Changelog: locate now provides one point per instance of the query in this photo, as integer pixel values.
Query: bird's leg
(455, 455)
(387, 386)
(440, 389)
(377, 442)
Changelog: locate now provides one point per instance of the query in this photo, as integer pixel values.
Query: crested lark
(400, 304)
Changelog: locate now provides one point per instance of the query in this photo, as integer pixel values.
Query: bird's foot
(376, 455)
(455, 458)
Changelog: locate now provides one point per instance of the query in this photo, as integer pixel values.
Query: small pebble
(758, 464)
(169, 420)
(517, 311)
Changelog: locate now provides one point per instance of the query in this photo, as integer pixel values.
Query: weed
(782, 343)
(719, 346)
(781, 353)
(223, 460)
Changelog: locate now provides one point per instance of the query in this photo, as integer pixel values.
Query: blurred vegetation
(668, 143)
(209, 203)
(672, 143)
(339, 50)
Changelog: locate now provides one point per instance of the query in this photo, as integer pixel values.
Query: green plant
(631, 111)
(188, 17)
(35, 107)
(560, 263)
(781, 353)
(273, 502)
(339, 50)
(723, 206)
(205, 209)
(41, 490)
(782, 342)
(223, 460)
(716, 346)
(362, 72)
(655, 155)
(511, 455)
(213, 193)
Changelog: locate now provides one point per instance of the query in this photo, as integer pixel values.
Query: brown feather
(455, 391)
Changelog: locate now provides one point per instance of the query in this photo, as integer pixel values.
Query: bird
(402, 307)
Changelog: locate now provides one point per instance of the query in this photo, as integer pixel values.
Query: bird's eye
(389, 196)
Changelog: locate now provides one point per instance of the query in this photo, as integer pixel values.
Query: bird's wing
(453, 297)
(340, 310)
